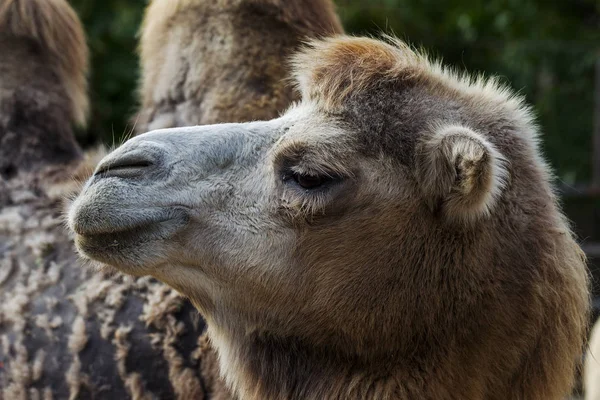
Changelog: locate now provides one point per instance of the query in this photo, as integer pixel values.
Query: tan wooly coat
(223, 61)
(394, 235)
(66, 331)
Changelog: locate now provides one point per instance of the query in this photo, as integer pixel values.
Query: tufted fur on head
(462, 172)
(212, 61)
(330, 71)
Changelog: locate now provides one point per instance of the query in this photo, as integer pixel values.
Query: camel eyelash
(309, 181)
(305, 205)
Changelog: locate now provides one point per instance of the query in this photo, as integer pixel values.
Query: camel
(393, 235)
(67, 331)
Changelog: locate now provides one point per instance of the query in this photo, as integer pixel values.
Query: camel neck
(262, 367)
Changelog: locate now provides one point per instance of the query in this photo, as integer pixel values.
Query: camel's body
(64, 329)
(393, 235)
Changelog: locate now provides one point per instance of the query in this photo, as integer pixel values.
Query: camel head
(397, 220)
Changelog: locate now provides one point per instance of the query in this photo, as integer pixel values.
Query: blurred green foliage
(111, 27)
(545, 49)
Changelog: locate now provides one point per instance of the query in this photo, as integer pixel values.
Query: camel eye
(309, 181)
(306, 181)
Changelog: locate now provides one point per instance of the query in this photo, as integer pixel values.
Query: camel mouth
(109, 246)
(132, 228)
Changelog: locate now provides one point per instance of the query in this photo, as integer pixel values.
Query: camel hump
(57, 30)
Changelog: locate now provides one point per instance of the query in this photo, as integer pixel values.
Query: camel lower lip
(129, 229)
(99, 245)
(94, 222)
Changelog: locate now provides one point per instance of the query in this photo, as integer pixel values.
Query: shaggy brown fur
(214, 61)
(516, 327)
(433, 263)
(40, 98)
(79, 334)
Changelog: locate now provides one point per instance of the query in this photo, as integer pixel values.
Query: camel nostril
(129, 165)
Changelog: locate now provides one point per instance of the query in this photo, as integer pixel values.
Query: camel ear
(460, 173)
